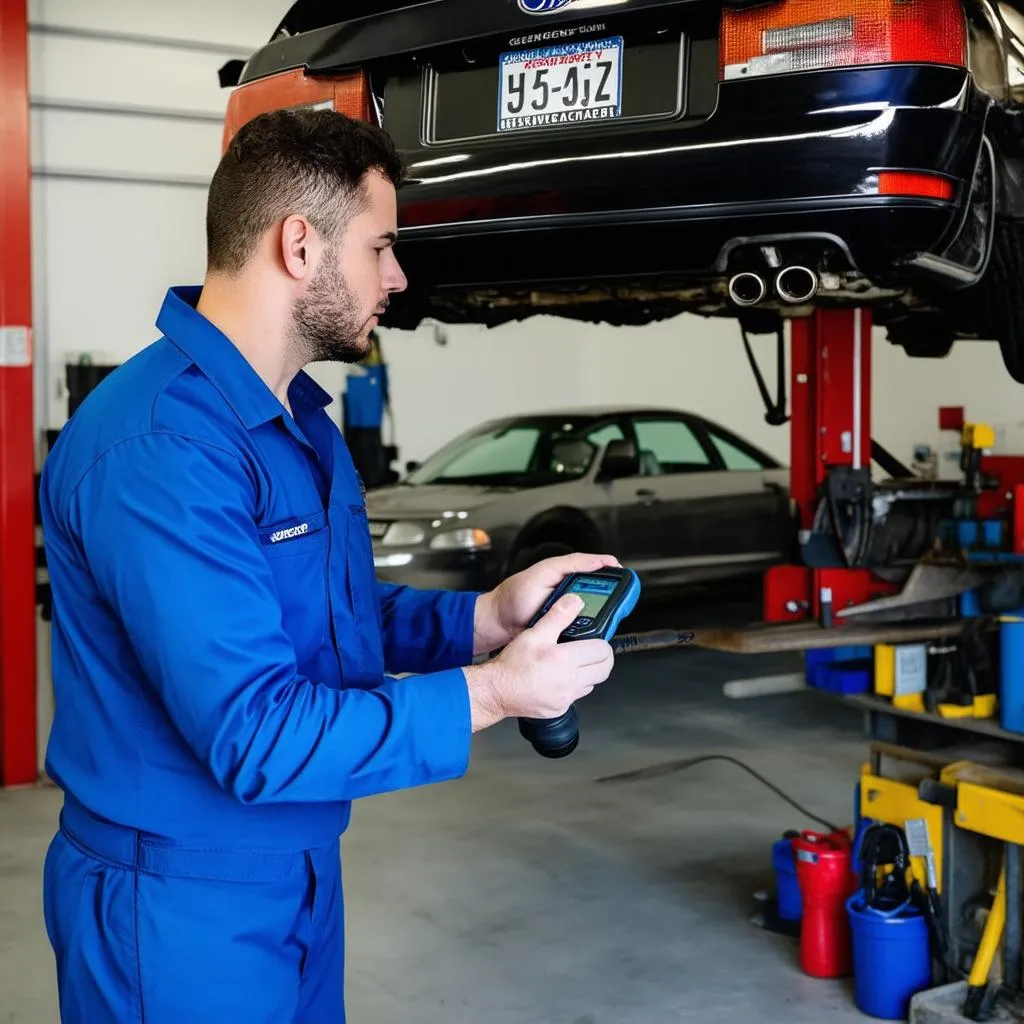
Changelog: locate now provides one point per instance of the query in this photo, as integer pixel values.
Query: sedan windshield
(515, 453)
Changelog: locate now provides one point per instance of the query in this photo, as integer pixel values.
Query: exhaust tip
(796, 284)
(747, 289)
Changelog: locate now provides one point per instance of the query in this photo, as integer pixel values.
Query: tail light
(348, 94)
(915, 183)
(810, 35)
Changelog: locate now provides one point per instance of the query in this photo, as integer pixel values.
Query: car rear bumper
(798, 154)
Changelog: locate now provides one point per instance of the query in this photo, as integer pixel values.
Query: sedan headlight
(466, 539)
(403, 535)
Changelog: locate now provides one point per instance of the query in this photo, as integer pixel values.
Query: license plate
(575, 83)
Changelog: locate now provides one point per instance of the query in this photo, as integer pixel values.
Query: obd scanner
(609, 595)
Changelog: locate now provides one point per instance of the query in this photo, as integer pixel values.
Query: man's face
(353, 281)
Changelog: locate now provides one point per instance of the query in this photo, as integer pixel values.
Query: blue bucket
(891, 958)
(787, 889)
(1011, 675)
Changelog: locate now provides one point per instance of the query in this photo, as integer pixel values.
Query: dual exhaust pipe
(794, 284)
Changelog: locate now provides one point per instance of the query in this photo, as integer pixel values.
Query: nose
(394, 277)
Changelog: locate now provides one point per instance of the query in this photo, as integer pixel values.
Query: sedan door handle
(649, 497)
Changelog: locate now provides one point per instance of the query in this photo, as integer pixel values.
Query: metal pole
(1012, 936)
(17, 456)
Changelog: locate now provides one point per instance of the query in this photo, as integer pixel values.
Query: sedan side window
(669, 446)
(602, 435)
(733, 457)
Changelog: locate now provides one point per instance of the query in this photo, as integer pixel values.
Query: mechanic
(220, 641)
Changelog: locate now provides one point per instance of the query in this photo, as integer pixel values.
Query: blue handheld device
(609, 595)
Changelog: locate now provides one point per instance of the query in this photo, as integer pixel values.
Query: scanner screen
(595, 593)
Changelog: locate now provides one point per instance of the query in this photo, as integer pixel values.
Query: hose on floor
(670, 767)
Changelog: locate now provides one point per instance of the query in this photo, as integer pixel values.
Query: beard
(327, 323)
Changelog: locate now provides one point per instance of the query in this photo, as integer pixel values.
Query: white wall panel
(69, 141)
(543, 363)
(105, 255)
(907, 394)
(124, 74)
(240, 23)
(688, 363)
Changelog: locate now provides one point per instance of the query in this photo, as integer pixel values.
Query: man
(220, 642)
(365, 404)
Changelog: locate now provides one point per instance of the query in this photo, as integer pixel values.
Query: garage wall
(126, 126)
(126, 130)
(689, 362)
(126, 116)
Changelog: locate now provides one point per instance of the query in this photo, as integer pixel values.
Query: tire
(526, 557)
(1000, 295)
(923, 337)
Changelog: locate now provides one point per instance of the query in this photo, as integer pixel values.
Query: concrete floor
(527, 892)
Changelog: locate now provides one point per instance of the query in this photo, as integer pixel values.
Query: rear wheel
(991, 310)
(1000, 297)
(923, 337)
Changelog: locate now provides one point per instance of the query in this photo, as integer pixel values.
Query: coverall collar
(224, 365)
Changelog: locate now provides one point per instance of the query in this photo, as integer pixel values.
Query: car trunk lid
(337, 37)
(448, 71)
(461, 82)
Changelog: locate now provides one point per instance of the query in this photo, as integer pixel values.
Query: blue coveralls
(219, 650)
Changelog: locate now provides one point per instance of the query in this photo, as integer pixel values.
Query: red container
(824, 875)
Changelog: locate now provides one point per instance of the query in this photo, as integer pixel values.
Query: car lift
(837, 592)
(830, 427)
(18, 757)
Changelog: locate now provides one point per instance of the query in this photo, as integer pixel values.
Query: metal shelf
(979, 726)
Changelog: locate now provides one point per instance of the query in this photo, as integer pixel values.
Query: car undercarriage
(830, 171)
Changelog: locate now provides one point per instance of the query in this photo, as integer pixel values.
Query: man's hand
(535, 676)
(504, 613)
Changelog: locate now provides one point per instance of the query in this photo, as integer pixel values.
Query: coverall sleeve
(167, 525)
(426, 630)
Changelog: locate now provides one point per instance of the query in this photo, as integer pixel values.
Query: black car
(627, 160)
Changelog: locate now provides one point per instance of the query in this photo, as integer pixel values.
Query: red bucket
(826, 882)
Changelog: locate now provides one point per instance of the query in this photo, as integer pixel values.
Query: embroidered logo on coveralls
(292, 531)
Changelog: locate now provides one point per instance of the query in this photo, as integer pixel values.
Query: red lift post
(830, 426)
(18, 757)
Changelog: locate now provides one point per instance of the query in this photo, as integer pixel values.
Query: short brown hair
(312, 162)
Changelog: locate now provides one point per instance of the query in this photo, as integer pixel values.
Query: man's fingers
(585, 562)
(596, 663)
(592, 675)
(560, 616)
(591, 652)
(557, 568)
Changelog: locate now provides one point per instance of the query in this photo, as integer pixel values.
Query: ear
(300, 246)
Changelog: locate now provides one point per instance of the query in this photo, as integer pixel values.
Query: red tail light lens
(914, 183)
(348, 94)
(810, 35)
